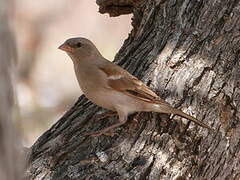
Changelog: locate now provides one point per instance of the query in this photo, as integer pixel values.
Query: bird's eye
(79, 44)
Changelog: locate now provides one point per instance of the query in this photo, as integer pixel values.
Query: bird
(113, 88)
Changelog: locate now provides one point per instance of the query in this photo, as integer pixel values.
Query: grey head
(79, 48)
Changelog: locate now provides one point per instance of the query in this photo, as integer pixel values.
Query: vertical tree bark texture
(9, 144)
(188, 52)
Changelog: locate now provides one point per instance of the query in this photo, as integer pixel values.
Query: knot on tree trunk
(117, 7)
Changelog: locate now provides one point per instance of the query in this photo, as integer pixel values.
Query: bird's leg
(137, 116)
(122, 120)
(105, 115)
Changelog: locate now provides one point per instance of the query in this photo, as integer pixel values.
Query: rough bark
(187, 52)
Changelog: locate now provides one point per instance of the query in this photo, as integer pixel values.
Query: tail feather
(167, 108)
(182, 114)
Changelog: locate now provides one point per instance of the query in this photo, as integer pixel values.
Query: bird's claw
(99, 133)
(104, 115)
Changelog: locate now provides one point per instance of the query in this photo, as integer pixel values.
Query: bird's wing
(121, 80)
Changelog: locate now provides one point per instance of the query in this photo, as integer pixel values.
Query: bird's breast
(115, 101)
(102, 98)
(94, 85)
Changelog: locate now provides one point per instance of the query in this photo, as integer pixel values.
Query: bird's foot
(106, 130)
(136, 117)
(104, 115)
(99, 133)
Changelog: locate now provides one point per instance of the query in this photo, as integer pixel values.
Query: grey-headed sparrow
(110, 86)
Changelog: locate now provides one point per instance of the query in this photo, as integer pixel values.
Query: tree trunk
(187, 52)
(11, 161)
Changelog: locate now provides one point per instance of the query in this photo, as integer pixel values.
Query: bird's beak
(65, 47)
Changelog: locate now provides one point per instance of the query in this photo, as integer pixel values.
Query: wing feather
(128, 84)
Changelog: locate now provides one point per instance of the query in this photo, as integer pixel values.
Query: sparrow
(111, 87)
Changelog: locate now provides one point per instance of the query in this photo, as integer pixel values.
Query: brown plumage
(112, 87)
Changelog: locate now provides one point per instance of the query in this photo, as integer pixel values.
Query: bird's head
(79, 47)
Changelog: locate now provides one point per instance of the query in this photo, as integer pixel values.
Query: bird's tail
(166, 108)
(191, 118)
